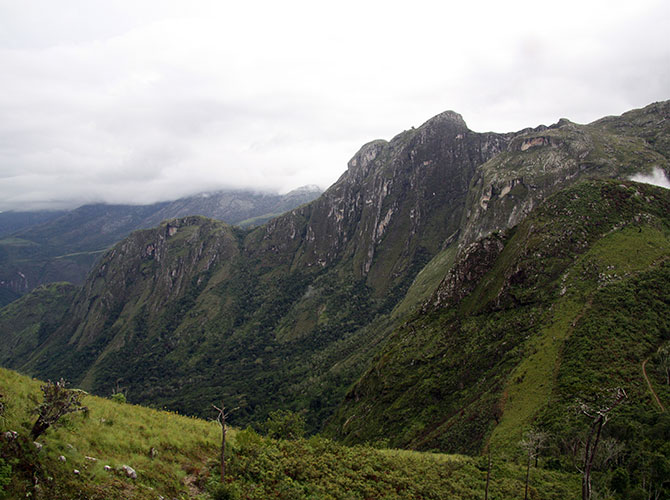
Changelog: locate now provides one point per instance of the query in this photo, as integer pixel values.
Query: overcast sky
(138, 101)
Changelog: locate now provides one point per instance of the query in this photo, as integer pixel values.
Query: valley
(450, 293)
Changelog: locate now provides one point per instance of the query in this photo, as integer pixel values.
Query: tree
(663, 360)
(58, 401)
(221, 419)
(488, 476)
(599, 417)
(532, 443)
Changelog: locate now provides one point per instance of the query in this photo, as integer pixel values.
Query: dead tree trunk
(532, 443)
(525, 495)
(221, 419)
(599, 418)
(222, 422)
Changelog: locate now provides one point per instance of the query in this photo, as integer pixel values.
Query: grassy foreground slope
(183, 463)
(112, 433)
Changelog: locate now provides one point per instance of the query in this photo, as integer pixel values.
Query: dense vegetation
(290, 314)
(453, 292)
(43, 247)
(176, 457)
(569, 306)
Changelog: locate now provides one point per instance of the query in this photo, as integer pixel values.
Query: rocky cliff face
(64, 246)
(542, 161)
(396, 200)
(195, 310)
(508, 336)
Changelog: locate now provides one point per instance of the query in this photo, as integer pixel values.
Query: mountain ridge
(291, 313)
(65, 246)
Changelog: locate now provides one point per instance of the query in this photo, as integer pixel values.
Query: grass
(115, 434)
(426, 281)
(175, 457)
(531, 383)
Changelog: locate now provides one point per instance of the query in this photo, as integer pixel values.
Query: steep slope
(545, 160)
(63, 246)
(28, 322)
(11, 222)
(176, 457)
(564, 306)
(288, 315)
(291, 297)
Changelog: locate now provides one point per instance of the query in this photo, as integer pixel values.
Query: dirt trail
(644, 372)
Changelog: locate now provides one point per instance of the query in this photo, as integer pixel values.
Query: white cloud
(140, 101)
(656, 178)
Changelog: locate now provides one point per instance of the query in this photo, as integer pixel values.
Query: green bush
(224, 492)
(5, 476)
(118, 397)
(285, 424)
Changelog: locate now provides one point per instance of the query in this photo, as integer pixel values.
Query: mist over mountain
(451, 291)
(43, 247)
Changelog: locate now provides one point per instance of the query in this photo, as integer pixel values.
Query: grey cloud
(137, 103)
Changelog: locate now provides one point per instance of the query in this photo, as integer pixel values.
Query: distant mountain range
(449, 292)
(48, 246)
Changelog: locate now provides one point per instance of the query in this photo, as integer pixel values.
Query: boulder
(129, 471)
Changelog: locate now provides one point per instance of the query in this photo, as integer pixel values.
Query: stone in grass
(76, 472)
(129, 471)
(107, 468)
(62, 458)
(10, 435)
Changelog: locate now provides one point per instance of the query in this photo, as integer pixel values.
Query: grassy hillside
(564, 308)
(112, 433)
(27, 322)
(183, 463)
(290, 314)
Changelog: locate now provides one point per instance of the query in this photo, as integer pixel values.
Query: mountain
(63, 246)
(289, 314)
(11, 222)
(450, 291)
(527, 322)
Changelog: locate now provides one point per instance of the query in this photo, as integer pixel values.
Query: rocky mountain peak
(359, 166)
(448, 116)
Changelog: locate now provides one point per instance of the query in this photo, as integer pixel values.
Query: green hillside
(290, 314)
(176, 457)
(451, 292)
(561, 309)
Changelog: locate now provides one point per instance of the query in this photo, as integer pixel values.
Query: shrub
(118, 397)
(285, 424)
(5, 476)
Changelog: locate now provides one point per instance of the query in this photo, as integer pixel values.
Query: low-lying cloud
(138, 102)
(658, 177)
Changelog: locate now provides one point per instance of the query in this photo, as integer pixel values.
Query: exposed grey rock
(129, 471)
(10, 435)
(62, 458)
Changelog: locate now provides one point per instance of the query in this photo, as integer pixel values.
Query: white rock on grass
(129, 471)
